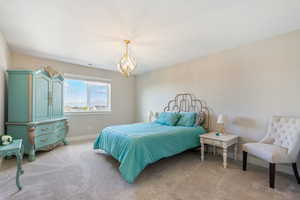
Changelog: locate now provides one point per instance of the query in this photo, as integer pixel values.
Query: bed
(137, 145)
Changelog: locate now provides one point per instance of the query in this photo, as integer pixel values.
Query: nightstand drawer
(212, 142)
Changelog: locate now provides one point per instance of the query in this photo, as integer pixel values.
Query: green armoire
(35, 109)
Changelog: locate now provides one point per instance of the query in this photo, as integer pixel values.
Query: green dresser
(35, 109)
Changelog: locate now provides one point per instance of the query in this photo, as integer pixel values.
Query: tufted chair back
(285, 132)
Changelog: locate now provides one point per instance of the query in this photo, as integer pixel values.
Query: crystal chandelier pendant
(127, 63)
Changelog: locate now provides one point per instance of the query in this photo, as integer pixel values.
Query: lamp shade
(221, 119)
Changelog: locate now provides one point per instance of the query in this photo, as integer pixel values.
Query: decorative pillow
(200, 119)
(187, 119)
(168, 118)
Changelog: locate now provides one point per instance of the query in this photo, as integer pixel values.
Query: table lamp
(221, 122)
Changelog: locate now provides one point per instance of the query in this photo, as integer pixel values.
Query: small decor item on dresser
(6, 140)
(52, 72)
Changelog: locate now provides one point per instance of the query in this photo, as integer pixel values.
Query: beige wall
(4, 63)
(123, 94)
(249, 84)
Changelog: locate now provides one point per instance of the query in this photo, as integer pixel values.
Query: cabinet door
(57, 97)
(19, 98)
(42, 96)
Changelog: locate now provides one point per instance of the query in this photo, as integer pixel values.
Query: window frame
(91, 79)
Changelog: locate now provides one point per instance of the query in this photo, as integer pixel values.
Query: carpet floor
(76, 172)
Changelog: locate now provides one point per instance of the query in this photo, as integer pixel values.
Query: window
(86, 95)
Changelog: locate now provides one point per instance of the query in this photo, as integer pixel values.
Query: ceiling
(163, 32)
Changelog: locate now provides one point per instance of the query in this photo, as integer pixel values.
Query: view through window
(86, 96)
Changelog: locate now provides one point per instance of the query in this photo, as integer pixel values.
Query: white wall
(123, 94)
(4, 63)
(249, 84)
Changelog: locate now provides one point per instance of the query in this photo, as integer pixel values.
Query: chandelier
(127, 63)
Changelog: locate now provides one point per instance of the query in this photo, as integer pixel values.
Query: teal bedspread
(137, 145)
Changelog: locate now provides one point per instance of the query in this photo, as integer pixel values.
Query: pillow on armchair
(200, 119)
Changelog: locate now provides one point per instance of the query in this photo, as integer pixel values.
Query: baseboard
(81, 138)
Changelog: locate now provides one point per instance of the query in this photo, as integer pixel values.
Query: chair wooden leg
(245, 160)
(272, 170)
(296, 172)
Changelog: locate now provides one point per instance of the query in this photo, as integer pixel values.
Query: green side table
(15, 148)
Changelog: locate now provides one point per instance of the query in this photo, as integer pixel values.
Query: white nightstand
(224, 141)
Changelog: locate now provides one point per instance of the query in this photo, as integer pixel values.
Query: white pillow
(200, 119)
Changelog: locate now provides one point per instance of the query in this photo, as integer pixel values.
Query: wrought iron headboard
(189, 103)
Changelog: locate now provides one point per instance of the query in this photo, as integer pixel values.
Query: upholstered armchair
(281, 145)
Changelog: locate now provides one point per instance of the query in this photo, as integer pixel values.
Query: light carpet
(76, 172)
